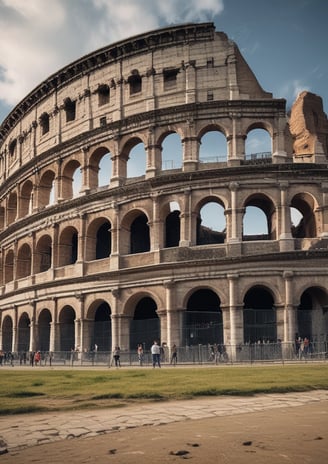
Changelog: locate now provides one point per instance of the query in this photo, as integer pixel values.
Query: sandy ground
(288, 435)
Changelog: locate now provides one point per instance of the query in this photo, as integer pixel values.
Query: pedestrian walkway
(21, 431)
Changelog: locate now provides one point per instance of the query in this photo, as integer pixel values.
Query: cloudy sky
(284, 41)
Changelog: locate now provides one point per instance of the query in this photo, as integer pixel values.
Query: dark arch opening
(172, 229)
(103, 241)
(145, 325)
(44, 330)
(67, 329)
(102, 335)
(203, 319)
(259, 316)
(140, 239)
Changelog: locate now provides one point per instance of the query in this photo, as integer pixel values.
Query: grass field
(40, 389)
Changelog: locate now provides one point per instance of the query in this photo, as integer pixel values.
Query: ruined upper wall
(309, 126)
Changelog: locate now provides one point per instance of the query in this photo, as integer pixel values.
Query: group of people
(302, 347)
(156, 350)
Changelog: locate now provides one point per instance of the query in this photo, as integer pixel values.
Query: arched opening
(44, 324)
(259, 316)
(203, 319)
(7, 334)
(213, 147)
(26, 203)
(258, 144)
(135, 82)
(9, 267)
(102, 334)
(24, 323)
(172, 152)
(211, 224)
(140, 236)
(312, 315)
(12, 208)
(304, 204)
(137, 159)
(68, 247)
(71, 180)
(172, 226)
(67, 329)
(105, 170)
(46, 189)
(145, 325)
(259, 219)
(43, 252)
(23, 263)
(103, 241)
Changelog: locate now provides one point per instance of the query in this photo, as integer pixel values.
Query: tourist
(156, 354)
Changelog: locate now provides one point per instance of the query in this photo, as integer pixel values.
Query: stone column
(173, 325)
(290, 319)
(156, 226)
(154, 155)
(279, 154)
(190, 147)
(86, 171)
(54, 337)
(286, 241)
(236, 316)
(187, 235)
(236, 141)
(115, 239)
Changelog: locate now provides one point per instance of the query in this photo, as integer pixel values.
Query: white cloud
(292, 89)
(37, 37)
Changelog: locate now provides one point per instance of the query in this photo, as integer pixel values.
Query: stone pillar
(79, 341)
(290, 319)
(54, 251)
(187, 236)
(236, 317)
(54, 333)
(34, 335)
(59, 182)
(118, 165)
(154, 155)
(115, 239)
(190, 147)
(286, 241)
(81, 242)
(173, 328)
(156, 226)
(236, 141)
(190, 81)
(279, 154)
(86, 171)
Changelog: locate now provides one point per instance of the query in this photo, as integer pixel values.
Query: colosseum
(102, 230)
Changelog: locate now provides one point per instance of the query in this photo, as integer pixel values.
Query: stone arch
(170, 142)
(68, 246)
(23, 262)
(46, 189)
(7, 329)
(12, 208)
(259, 313)
(70, 187)
(99, 326)
(43, 254)
(135, 234)
(67, 317)
(216, 233)
(259, 140)
(312, 314)
(170, 213)
(96, 177)
(213, 144)
(305, 203)
(203, 322)
(145, 322)
(23, 333)
(9, 267)
(26, 199)
(44, 327)
(266, 205)
(99, 239)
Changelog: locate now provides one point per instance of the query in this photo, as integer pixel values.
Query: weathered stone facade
(87, 268)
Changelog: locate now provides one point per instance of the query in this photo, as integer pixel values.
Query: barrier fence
(191, 355)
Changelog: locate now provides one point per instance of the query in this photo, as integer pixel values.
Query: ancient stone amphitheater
(94, 255)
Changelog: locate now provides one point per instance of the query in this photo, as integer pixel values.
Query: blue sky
(283, 41)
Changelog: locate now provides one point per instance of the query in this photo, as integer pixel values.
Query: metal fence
(187, 355)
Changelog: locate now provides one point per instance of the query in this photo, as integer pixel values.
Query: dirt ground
(288, 435)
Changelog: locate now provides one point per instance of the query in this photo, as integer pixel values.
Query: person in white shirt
(155, 352)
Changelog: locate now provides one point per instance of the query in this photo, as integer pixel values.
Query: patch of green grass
(110, 387)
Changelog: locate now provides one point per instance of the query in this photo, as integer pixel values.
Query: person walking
(140, 354)
(156, 354)
(174, 355)
(117, 356)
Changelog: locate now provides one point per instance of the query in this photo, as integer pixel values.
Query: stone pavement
(21, 431)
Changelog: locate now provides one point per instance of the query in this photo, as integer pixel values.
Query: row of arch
(135, 235)
(201, 323)
(68, 179)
